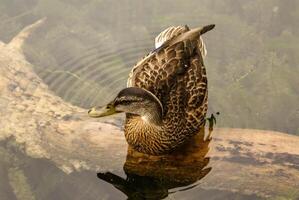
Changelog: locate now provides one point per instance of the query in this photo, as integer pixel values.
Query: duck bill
(97, 112)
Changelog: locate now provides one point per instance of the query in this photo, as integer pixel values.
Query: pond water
(176, 176)
(84, 52)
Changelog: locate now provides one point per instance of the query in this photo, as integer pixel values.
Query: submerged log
(259, 162)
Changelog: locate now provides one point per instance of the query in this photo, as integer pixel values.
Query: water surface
(84, 53)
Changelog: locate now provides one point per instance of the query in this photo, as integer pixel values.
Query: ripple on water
(97, 75)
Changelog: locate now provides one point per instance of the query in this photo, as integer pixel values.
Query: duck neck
(143, 135)
(153, 117)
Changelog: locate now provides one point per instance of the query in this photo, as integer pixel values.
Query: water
(177, 176)
(228, 164)
(84, 53)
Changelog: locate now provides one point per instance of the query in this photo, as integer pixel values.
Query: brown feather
(176, 75)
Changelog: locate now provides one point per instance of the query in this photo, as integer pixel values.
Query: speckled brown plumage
(176, 75)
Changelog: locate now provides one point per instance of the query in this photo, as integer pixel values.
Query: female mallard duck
(166, 96)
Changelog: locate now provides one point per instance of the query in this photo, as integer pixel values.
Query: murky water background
(85, 50)
(177, 177)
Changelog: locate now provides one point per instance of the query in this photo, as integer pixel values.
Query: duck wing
(174, 72)
(153, 59)
(169, 33)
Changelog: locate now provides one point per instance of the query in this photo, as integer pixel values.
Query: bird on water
(166, 98)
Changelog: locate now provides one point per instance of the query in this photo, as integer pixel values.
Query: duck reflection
(152, 177)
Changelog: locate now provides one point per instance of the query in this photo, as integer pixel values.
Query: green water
(23, 177)
(85, 51)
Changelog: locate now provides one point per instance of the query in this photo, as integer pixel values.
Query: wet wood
(45, 126)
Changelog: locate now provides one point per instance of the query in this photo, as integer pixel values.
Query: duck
(166, 98)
